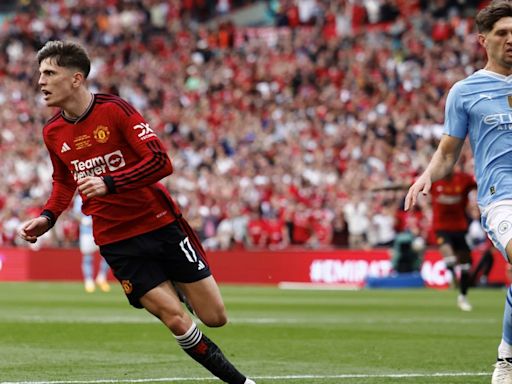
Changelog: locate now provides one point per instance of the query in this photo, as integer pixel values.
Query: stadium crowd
(280, 136)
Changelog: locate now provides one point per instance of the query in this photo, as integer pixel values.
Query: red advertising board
(14, 264)
(348, 268)
(21, 264)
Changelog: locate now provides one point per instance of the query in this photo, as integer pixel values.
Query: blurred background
(291, 124)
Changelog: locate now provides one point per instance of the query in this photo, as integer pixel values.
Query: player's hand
(92, 186)
(30, 230)
(423, 185)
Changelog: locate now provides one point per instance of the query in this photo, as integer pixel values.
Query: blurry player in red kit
(101, 145)
(450, 224)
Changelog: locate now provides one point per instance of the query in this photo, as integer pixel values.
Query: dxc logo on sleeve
(145, 131)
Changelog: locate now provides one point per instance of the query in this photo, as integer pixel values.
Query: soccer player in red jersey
(101, 145)
(450, 223)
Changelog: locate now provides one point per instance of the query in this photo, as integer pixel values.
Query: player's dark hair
(66, 54)
(487, 17)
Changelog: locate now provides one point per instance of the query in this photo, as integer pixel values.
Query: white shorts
(87, 244)
(497, 222)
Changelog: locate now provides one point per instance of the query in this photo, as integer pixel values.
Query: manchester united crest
(127, 286)
(101, 134)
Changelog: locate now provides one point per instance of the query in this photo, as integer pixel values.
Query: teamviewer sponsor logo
(114, 160)
(98, 165)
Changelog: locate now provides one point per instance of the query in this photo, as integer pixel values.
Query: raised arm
(440, 165)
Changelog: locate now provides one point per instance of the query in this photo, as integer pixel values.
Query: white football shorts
(497, 222)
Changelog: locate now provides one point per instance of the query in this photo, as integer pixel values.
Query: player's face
(498, 44)
(56, 83)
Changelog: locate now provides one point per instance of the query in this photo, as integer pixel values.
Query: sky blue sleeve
(455, 116)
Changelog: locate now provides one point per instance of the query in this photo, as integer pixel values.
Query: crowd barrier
(313, 268)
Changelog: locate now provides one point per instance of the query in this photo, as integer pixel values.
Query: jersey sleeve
(63, 189)
(153, 164)
(455, 117)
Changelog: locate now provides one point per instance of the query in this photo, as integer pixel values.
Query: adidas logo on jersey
(65, 148)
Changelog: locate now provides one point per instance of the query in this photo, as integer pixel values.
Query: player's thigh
(460, 247)
(163, 302)
(205, 298)
(497, 221)
(444, 243)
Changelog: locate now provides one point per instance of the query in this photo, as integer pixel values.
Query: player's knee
(177, 321)
(214, 319)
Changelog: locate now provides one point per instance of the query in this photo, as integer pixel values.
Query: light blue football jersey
(481, 106)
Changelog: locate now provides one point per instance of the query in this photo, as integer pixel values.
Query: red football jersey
(256, 232)
(449, 201)
(111, 140)
(274, 229)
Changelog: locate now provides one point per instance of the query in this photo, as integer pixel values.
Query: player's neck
(79, 105)
(499, 69)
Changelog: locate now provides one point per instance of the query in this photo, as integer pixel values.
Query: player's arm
(441, 165)
(153, 166)
(62, 193)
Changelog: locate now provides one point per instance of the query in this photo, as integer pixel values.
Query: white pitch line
(72, 319)
(285, 377)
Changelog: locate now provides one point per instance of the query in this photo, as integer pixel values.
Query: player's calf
(209, 355)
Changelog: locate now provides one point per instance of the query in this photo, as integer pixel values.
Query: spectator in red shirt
(256, 233)
(301, 229)
(275, 232)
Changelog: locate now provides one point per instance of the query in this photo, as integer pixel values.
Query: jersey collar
(83, 115)
(496, 75)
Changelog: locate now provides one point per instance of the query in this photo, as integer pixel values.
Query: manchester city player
(480, 106)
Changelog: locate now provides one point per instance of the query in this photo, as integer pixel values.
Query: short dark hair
(66, 54)
(488, 16)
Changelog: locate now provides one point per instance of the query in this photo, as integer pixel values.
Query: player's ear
(482, 40)
(78, 79)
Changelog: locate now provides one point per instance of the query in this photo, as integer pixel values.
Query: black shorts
(143, 262)
(457, 240)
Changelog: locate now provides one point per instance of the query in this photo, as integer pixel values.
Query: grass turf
(54, 332)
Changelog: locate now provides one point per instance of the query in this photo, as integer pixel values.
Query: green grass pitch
(56, 333)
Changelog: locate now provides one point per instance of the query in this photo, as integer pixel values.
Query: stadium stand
(284, 123)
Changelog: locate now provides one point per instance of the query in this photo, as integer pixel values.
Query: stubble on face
(499, 46)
